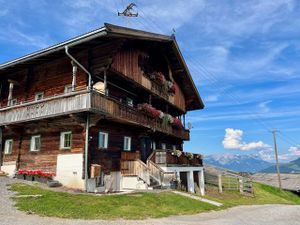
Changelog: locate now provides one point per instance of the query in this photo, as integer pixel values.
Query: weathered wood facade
(141, 90)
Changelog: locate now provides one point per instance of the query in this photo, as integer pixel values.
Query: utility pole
(276, 157)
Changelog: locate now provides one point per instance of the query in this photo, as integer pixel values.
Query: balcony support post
(74, 70)
(201, 182)
(105, 83)
(81, 67)
(10, 94)
(190, 181)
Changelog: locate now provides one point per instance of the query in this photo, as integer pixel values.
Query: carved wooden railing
(48, 107)
(84, 101)
(169, 158)
(118, 110)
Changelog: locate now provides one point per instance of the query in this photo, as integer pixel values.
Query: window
(13, 102)
(103, 140)
(39, 96)
(35, 143)
(65, 140)
(129, 101)
(163, 146)
(174, 147)
(127, 143)
(68, 88)
(8, 146)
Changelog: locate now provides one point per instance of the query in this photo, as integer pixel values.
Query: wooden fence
(229, 181)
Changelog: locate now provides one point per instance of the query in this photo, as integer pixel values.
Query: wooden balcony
(170, 158)
(81, 101)
(45, 108)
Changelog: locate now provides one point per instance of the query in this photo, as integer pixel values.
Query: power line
(215, 82)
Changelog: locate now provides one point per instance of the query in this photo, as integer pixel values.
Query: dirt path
(243, 215)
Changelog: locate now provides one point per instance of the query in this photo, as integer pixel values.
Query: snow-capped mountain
(240, 163)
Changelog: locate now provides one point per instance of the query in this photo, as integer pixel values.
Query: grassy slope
(264, 194)
(131, 206)
(138, 205)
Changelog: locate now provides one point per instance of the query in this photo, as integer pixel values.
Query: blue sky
(243, 55)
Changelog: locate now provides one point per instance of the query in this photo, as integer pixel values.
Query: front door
(145, 148)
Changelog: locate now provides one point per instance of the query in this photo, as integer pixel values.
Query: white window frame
(32, 143)
(163, 146)
(105, 144)
(127, 148)
(8, 146)
(62, 140)
(37, 94)
(68, 87)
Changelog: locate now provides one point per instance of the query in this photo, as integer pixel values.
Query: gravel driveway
(243, 215)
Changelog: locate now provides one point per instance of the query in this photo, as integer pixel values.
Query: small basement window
(39, 96)
(35, 143)
(8, 146)
(103, 140)
(127, 143)
(65, 140)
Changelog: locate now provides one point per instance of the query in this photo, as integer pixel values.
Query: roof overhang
(108, 30)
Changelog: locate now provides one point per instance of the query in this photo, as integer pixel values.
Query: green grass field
(137, 205)
(263, 194)
(83, 206)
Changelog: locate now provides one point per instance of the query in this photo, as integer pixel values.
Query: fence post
(241, 184)
(220, 183)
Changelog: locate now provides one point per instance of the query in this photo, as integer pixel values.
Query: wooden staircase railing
(137, 168)
(157, 173)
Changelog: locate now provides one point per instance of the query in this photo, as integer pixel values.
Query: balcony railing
(84, 101)
(175, 158)
(130, 114)
(48, 107)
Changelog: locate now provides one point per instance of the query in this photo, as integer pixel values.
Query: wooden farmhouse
(104, 111)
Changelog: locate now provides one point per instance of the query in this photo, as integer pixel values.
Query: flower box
(35, 175)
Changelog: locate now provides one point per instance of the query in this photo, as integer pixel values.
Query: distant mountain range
(239, 163)
(291, 167)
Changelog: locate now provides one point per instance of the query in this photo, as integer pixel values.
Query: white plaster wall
(132, 182)
(112, 182)
(69, 170)
(9, 167)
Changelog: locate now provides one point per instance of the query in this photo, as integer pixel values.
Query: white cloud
(293, 152)
(233, 140)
